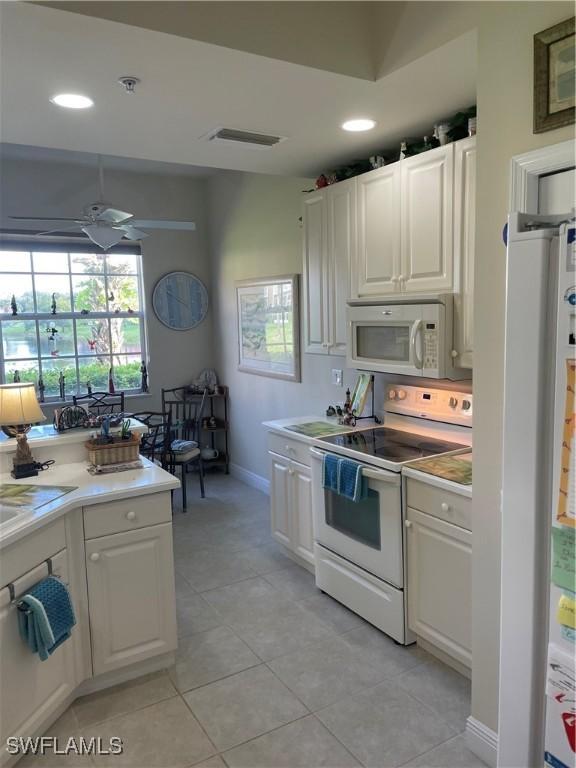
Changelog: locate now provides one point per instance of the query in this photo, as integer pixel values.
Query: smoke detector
(235, 136)
(129, 83)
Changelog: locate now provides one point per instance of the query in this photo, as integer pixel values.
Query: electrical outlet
(337, 377)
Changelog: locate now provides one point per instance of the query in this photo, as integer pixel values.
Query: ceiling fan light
(105, 237)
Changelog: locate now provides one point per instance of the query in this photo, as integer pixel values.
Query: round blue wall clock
(180, 300)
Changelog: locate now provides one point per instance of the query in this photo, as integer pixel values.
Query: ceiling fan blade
(131, 233)
(114, 216)
(44, 218)
(102, 235)
(162, 224)
(53, 231)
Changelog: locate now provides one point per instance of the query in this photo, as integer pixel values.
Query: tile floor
(271, 673)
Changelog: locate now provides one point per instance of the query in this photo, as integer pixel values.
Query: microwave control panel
(447, 405)
(430, 345)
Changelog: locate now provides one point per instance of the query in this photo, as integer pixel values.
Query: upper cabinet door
(427, 219)
(377, 265)
(316, 333)
(341, 256)
(464, 233)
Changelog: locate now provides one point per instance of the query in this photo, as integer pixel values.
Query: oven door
(367, 533)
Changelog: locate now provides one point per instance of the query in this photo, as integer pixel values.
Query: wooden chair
(185, 418)
(155, 445)
(101, 403)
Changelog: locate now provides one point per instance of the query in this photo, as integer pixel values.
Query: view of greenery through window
(98, 322)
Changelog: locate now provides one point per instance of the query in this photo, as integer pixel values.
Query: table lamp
(19, 409)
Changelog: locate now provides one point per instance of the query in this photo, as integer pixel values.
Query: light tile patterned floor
(271, 673)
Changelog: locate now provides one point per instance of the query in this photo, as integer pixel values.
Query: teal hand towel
(330, 472)
(351, 483)
(46, 616)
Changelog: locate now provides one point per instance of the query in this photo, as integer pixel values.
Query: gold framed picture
(554, 77)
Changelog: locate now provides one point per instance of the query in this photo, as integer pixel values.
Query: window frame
(73, 246)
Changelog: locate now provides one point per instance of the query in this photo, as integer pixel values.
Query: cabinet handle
(325, 344)
(408, 523)
(131, 515)
(290, 471)
(445, 507)
(95, 556)
(454, 353)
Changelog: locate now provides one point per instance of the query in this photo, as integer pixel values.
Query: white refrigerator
(537, 697)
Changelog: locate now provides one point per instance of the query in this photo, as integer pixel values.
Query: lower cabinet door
(131, 596)
(301, 502)
(31, 690)
(439, 584)
(279, 498)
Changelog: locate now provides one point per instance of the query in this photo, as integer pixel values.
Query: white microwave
(410, 338)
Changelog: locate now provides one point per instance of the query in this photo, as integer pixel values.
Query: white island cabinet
(110, 541)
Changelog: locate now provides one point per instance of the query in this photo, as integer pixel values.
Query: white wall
(61, 189)
(505, 94)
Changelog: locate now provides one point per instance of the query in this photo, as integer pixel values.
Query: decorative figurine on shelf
(89, 387)
(348, 416)
(41, 389)
(23, 453)
(330, 411)
(62, 385)
(403, 150)
(84, 312)
(111, 297)
(51, 331)
(13, 305)
(53, 304)
(144, 377)
(130, 311)
(377, 161)
(16, 377)
(111, 388)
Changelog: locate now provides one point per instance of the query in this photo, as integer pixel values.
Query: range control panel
(445, 405)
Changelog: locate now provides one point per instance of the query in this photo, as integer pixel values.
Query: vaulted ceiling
(297, 69)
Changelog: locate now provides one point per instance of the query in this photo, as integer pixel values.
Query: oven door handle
(416, 328)
(369, 472)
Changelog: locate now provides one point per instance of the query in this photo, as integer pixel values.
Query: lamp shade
(19, 405)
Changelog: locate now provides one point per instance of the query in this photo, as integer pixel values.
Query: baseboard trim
(481, 740)
(250, 478)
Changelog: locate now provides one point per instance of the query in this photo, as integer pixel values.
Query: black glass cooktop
(392, 444)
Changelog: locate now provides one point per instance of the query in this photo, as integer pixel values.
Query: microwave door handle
(416, 328)
(370, 472)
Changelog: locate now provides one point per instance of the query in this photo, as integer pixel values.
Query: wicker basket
(117, 452)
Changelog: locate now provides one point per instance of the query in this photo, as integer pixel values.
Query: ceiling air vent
(247, 138)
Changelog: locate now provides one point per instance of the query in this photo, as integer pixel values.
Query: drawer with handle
(126, 514)
(289, 448)
(440, 503)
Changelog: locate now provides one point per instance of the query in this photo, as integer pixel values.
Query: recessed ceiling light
(72, 101)
(360, 124)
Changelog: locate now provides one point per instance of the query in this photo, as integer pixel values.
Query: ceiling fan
(105, 225)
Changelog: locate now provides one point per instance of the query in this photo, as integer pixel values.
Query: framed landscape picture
(554, 77)
(268, 327)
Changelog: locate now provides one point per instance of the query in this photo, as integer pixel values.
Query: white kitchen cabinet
(279, 498)
(341, 202)
(464, 234)
(32, 689)
(376, 267)
(439, 557)
(131, 596)
(315, 283)
(291, 505)
(329, 221)
(426, 250)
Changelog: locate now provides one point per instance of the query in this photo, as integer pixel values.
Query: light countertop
(280, 426)
(440, 482)
(90, 489)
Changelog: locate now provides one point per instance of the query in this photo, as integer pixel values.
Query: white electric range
(359, 546)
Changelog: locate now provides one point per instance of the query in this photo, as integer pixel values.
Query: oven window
(357, 520)
(383, 342)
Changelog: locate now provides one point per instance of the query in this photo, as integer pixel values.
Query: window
(98, 321)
